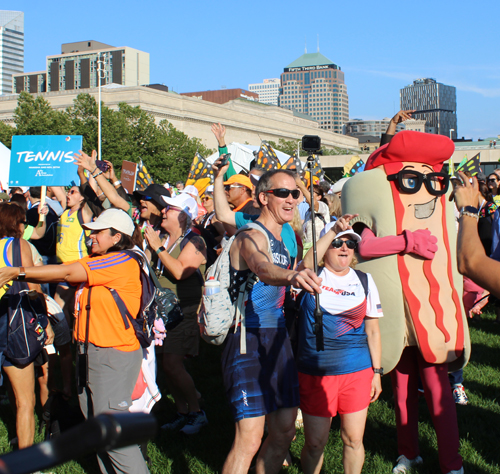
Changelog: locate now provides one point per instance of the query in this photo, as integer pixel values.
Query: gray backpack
(217, 313)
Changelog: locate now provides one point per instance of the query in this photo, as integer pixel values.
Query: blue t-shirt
(344, 307)
(287, 233)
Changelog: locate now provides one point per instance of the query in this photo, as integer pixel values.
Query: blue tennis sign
(44, 160)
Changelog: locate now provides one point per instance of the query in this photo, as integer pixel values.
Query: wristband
(117, 183)
(94, 170)
(379, 371)
(98, 174)
(22, 274)
(470, 211)
(159, 250)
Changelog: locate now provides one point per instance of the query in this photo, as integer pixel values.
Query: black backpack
(156, 303)
(27, 318)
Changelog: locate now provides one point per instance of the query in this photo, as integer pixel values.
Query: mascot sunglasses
(410, 182)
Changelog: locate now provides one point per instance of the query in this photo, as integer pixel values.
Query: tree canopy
(128, 133)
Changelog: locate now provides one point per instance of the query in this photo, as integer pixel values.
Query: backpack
(218, 314)
(156, 303)
(27, 318)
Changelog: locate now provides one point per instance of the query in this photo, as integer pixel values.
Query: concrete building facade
(223, 95)
(368, 128)
(440, 100)
(11, 48)
(245, 121)
(80, 65)
(314, 85)
(268, 91)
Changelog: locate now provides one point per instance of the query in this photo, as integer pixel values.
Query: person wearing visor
(114, 355)
(346, 377)
(177, 258)
(238, 190)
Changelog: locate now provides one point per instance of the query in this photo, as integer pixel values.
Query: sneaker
(458, 471)
(404, 464)
(177, 423)
(459, 395)
(195, 422)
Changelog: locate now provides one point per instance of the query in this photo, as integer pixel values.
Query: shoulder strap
(79, 215)
(363, 278)
(261, 229)
(16, 253)
(87, 307)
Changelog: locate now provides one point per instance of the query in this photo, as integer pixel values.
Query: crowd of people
(75, 250)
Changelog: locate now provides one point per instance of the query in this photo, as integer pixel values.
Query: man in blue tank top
(262, 384)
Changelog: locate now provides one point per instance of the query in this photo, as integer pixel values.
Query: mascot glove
(421, 242)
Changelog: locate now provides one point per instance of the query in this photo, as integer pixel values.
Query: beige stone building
(245, 121)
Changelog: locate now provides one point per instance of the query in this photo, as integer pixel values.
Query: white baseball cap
(185, 202)
(112, 219)
(191, 190)
(349, 232)
(337, 187)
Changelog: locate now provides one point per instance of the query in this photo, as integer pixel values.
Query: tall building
(315, 86)
(439, 99)
(373, 128)
(11, 48)
(77, 67)
(268, 91)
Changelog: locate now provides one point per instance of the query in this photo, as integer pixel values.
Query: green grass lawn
(479, 422)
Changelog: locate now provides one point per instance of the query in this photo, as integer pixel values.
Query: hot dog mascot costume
(409, 246)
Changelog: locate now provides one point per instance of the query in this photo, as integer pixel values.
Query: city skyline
(197, 46)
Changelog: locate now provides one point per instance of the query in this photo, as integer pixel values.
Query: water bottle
(212, 287)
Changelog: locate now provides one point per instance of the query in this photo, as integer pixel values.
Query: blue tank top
(264, 305)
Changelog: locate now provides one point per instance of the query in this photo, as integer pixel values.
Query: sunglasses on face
(351, 244)
(171, 208)
(492, 179)
(284, 193)
(410, 182)
(206, 198)
(227, 187)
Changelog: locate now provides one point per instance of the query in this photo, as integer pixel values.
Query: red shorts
(327, 395)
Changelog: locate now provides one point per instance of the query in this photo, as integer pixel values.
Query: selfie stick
(318, 314)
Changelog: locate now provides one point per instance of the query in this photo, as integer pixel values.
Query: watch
(379, 371)
(470, 211)
(160, 250)
(22, 274)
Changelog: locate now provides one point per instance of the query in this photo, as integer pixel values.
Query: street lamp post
(100, 69)
(451, 132)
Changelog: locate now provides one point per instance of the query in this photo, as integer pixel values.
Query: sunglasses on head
(351, 244)
(410, 182)
(284, 193)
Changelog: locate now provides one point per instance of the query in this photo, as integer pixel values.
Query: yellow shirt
(71, 237)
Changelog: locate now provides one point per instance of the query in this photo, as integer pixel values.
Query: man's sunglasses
(227, 187)
(284, 193)
(351, 244)
(410, 182)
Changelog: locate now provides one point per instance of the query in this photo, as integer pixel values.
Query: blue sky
(197, 45)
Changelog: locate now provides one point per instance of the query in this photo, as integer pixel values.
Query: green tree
(35, 116)
(6, 132)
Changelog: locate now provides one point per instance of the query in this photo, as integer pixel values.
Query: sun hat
(112, 219)
(185, 202)
(337, 187)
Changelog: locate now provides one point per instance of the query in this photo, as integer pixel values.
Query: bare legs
(316, 430)
(248, 438)
(180, 384)
(23, 385)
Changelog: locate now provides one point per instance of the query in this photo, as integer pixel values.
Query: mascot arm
(420, 242)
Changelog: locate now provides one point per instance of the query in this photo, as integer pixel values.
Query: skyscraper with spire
(11, 48)
(314, 85)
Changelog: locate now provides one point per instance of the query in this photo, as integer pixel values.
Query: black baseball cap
(154, 192)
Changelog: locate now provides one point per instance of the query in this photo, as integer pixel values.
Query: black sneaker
(177, 423)
(195, 422)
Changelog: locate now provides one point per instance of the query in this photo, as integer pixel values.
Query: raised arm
(322, 244)
(39, 230)
(60, 195)
(88, 162)
(471, 258)
(223, 211)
